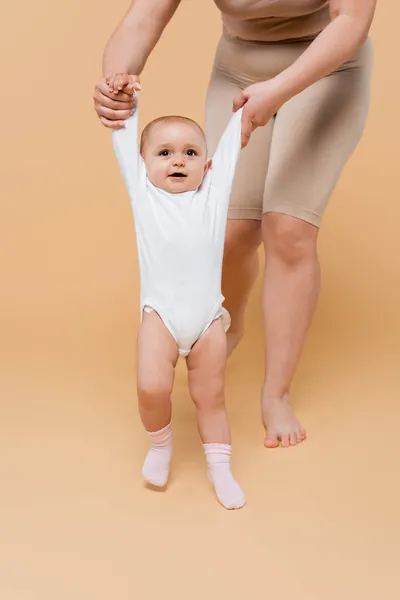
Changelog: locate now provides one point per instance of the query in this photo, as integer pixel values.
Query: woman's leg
(291, 286)
(240, 271)
(315, 134)
(243, 233)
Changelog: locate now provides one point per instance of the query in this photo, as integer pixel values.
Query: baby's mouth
(177, 175)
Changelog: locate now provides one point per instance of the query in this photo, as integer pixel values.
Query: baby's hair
(167, 119)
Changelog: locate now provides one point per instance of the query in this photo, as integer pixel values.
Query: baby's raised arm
(126, 147)
(227, 153)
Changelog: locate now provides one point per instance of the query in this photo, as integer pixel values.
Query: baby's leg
(157, 355)
(206, 365)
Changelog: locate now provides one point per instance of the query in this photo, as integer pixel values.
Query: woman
(302, 71)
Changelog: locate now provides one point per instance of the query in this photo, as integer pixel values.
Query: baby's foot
(156, 466)
(282, 428)
(227, 489)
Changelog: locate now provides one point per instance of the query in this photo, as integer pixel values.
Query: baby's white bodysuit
(180, 237)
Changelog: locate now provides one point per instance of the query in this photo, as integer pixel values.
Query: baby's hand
(118, 82)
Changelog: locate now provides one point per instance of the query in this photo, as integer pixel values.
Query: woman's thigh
(315, 133)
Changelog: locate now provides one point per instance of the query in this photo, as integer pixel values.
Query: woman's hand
(260, 101)
(114, 98)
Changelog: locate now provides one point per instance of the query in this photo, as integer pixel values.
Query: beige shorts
(291, 165)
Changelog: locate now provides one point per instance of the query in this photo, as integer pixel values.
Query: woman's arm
(342, 37)
(132, 42)
(345, 34)
(127, 52)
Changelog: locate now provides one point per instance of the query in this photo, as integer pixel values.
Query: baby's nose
(178, 161)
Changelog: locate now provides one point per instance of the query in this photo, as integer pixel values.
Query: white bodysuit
(180, 237)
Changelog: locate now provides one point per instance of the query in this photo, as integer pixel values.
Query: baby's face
(175, 156)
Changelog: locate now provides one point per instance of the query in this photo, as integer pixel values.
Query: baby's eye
(191, 152)
(164, 153)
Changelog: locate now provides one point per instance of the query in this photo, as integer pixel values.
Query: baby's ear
(208, 166)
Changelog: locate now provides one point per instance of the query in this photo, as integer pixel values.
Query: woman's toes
(293, 439)
(301, 436)
(271, 441)
(285, 442)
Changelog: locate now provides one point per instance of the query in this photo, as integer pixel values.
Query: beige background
(321, 520)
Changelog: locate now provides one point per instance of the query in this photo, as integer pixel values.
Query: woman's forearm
(336, 44)
(132, 42)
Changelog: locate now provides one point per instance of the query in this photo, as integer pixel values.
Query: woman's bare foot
(282, 428)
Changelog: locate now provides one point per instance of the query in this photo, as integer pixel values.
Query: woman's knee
(289, 239)
(243, 238)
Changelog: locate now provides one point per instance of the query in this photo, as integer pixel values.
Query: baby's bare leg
(157, 355)
(206, 365)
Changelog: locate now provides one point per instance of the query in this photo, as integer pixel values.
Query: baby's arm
(126, 148)
(227, 153)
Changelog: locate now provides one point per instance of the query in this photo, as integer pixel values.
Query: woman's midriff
(275, 21)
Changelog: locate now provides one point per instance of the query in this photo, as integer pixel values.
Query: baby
(180, 202)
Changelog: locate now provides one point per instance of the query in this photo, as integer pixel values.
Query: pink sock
(226, 487)
(156, 466)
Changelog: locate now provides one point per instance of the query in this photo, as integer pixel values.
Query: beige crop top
(274, 20)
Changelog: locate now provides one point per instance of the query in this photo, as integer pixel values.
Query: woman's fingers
(247, 127)
(112, 114)
(114, 103)
(112, 124)
(114, 98)
(239, 101)
(112, 108)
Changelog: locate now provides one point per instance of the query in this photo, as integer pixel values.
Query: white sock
(228, 491)
(156, 465)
